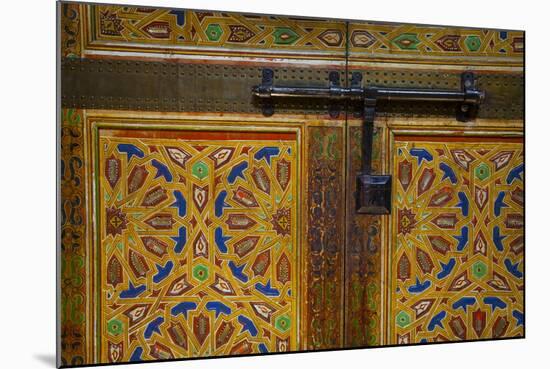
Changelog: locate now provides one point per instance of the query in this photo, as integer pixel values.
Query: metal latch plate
(373, 194)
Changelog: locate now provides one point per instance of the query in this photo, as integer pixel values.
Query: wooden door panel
(199, 220)
(206, 236)
(456, 239)
(365, 235)
(418, 152)
(198, 243)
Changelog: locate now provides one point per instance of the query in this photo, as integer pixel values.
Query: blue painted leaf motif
(163, 271)
(238, 271)
(448, 173)
(421, 154)
(419, 287)
(220, 203)
(267, 290)
(180, 203)
(513, 268)
(263, 349)
(181, 240)
(237, 171)
(463, 303)
(464, 203)
(437, 320)
(462, 239)
(494, 302)
(497, 238)
(515, 174)
(446, 269)
(162, 170)
(180, 16)
(153, 327)
(183, 308)
(519, 316)
(248, 325)
(130, 150)
(132, 292)
(221, 240)
(266, 153)
(136, 355)
(218, 307)
(499, 203)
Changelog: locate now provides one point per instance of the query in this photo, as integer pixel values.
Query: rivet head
(334, 76)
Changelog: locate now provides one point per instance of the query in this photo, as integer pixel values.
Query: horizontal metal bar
(420, 94)
(315, 92)
(380, 93)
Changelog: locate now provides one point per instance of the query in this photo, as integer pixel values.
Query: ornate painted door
(192, 223)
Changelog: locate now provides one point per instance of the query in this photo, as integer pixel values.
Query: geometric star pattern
(457, 240)
(198, 245)
(180, 30)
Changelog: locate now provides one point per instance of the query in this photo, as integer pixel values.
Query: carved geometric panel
(198, 244)
(179, 30)
(371, 41)
(457, 243)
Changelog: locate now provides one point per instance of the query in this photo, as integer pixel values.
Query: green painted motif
(200, 272)
(316, 339)
(479, 269)
(72, 117)
(406, 41)
(284, 36)
(331, 326)
(372, 336)
(482, 171)
(72, 282)
(403, 319)
(371, 291)
(473, 43)
(332, 154)
(214, 32)
(282, 323)
(356, 152)
(325, 145)
(357, 288)
(115, 327)
(200, 170)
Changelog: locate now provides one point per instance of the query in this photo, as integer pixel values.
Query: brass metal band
(193, 87)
